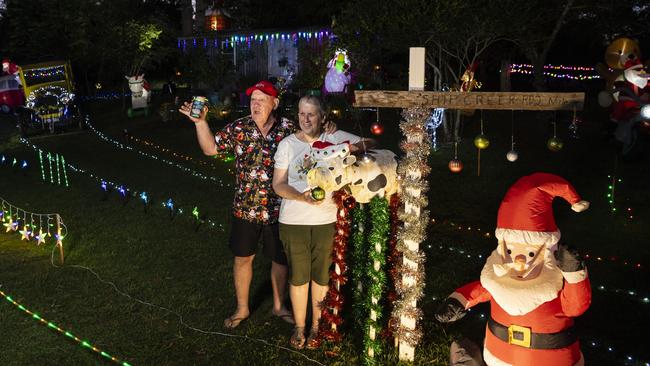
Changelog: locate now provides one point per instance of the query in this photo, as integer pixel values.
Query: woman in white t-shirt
(307, 225)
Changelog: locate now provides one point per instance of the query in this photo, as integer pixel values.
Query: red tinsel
(392, 262)
(333, 303)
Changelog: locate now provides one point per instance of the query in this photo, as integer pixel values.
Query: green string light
(58, 172)
(65, 174)
(49, 159)
(40, 160)
(51, 325)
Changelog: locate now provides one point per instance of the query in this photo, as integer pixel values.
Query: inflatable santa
(535, 286)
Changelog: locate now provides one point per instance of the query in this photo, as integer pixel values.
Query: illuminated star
(40, 238)
(10, 225)
(25, 233)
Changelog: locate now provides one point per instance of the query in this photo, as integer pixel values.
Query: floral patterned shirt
(255, 200)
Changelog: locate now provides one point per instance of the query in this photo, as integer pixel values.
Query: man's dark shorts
(244, 236)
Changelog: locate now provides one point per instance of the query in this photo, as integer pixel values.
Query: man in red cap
(535, 287)
(253, 139)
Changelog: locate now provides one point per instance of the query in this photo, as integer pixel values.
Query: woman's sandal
(233, 322)
(297, 339)
(313, 341)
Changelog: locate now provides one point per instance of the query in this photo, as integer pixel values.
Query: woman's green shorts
(309, 252)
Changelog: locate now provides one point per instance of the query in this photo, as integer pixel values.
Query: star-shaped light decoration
(40, 237)
(10, 225)
(59, 237)
(25, 234)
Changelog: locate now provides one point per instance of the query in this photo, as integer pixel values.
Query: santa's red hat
(526, 212)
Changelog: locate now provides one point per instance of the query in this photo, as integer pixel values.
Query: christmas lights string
(32, 225)
(61, 168)
(178, 315)
(598, 258)
(581, 74)
(84, 343)
(333, 302)
(258, 38)
(22, 164)
(154, 157)
(226, 158)
(126, 192)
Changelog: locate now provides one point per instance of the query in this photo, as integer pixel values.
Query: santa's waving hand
(534, 286)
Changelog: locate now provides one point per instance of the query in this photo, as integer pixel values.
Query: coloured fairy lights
(33, 226)
(108, 185)
(256, 38)
(122, 146)
(84, 343)
(558, 71)
(45, 72)
(226, 158)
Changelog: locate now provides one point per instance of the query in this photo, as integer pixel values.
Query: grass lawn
(153, 258)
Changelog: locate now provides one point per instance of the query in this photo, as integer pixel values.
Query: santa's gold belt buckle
(519, 336)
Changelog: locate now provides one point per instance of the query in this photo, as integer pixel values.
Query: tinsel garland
(392, 261)
(333, 302)
(358, 265)
(413, 171)
(376, 253)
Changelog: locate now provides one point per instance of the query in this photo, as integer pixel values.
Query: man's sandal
(287, 317)
(313, 341)
(297, 339)
(233, 322)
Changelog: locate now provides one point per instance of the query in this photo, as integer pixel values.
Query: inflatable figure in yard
(338, 75)
(535, 286)
(140, 94)
(9, 68)
(627, 92)
(333, 167)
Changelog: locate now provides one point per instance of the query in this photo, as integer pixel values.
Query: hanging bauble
(554, 144)
(481, 141)
(605, 99)
(377, 128)
(512, 156)
(455, 165)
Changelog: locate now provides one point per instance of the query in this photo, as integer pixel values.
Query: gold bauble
(481, 141)
(554, 144)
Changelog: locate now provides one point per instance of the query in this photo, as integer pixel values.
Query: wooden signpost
(417, 98)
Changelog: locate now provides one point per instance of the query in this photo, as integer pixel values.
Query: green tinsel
(358, 264)
(376, 252)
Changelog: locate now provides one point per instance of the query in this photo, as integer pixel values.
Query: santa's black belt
(522, 336)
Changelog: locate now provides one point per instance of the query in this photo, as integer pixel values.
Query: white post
(416, 68)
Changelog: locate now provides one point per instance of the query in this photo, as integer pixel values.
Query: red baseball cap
(265, 87)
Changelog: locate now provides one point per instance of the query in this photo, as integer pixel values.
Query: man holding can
(253, 139)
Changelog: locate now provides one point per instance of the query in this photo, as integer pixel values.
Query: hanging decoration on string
(333, 302)
(377, 128)
(512, 155)
(434, 121)
(481, 142)
(573, 126)
(33, 226)
(554, 143)
(455, 164)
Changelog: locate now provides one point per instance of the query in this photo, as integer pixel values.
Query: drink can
(197, 106)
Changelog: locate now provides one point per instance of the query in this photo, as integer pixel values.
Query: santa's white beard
(519, 297)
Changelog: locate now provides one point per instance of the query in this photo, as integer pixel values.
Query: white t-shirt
(294, 155)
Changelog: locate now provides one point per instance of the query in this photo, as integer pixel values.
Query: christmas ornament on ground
(534, 286)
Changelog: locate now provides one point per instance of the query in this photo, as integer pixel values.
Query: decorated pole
(413, 170)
